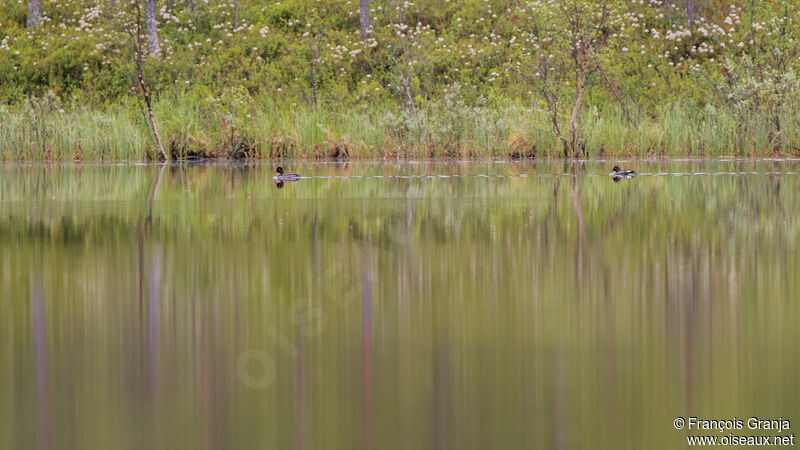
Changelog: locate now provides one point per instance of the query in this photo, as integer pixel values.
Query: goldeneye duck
(282, 176)
(616, 172)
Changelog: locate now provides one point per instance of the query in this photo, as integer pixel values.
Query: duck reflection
(281, 183)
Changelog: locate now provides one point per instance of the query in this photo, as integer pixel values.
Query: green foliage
(472, 66)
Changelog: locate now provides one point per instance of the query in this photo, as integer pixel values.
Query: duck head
(615, 169)
(279, 170)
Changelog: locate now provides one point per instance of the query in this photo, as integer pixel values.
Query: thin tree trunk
(152, 28)
(616, 93)
(235, 14)
(690, 12)
(150, 116)
(191, 5)
(752, 32)
(311, 61)
(143, 85)
(667, 4)
(364, 19)
(407, 78)
(580, 85)
(34, 13)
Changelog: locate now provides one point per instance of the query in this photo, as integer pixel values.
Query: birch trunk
(152, 28)
(150, 116)
(34, 13)
(364, 19)
(580, 86)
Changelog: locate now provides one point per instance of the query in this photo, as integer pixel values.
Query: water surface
(490, 304)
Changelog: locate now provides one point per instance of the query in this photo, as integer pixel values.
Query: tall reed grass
(43, 130)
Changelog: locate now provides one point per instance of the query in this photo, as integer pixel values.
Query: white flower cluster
(677, 35)
(89, 15)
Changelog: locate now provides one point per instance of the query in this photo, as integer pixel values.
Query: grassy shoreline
(43, 131)
(472, 78)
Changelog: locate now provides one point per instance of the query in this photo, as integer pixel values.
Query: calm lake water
(482, 305)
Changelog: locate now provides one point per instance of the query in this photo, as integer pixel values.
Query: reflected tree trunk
(149, 218)
(145, 231)
(582, 252)
(441, 377)
(558, 399)
(148, 313)
(153, 318)
(301, 387)
(691, 344)
(366, 351)
(39, 331)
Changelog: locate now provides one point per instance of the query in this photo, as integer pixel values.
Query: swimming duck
(282, 176)
(616, 172)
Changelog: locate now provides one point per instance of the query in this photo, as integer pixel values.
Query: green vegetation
(454, 78)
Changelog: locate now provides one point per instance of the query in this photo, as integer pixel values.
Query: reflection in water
(43, 398)
(559, 437)
(394, 305)
(366, 360)
(581, 251)
(282, 183)
(441, 378)
(301, 388)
